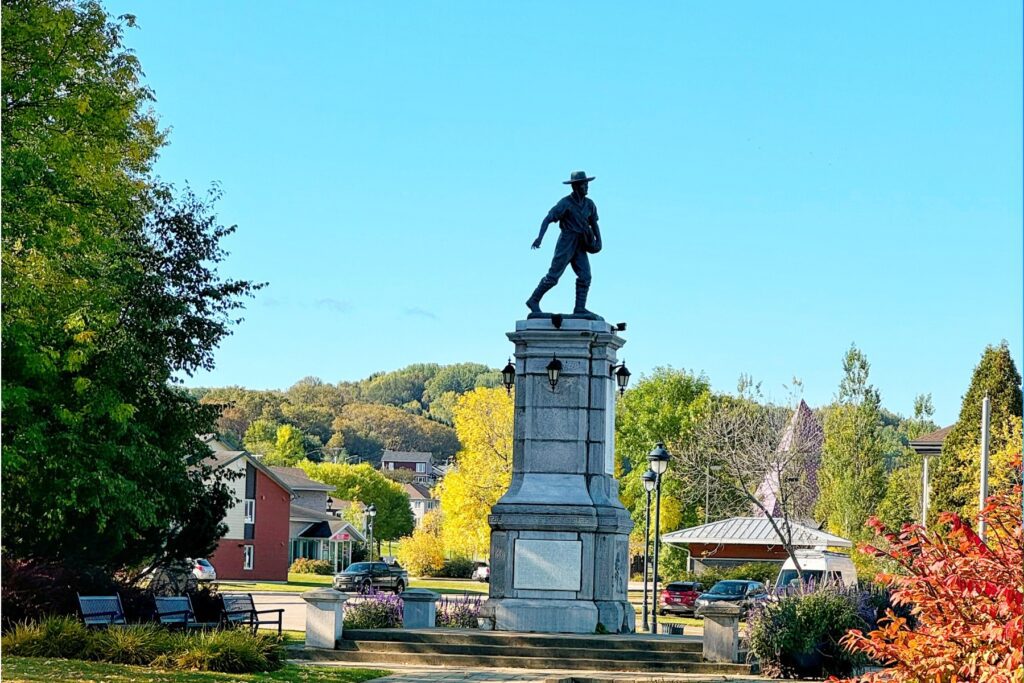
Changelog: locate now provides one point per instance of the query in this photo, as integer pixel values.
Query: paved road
(294, 617)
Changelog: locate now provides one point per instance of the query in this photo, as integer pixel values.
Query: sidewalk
(432, 674)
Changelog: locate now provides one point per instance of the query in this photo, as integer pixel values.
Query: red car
(678, 597)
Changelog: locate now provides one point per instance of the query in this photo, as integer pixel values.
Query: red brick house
(256, 545)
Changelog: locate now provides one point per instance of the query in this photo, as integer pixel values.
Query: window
(421, 467)
(250, 511)
(248, 552)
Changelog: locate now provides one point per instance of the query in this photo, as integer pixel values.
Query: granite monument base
(559, 535)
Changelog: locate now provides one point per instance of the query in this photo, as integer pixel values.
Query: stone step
(511, 661)
(385, 649)
(591, 642)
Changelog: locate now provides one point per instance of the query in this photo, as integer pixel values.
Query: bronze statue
(576, 216)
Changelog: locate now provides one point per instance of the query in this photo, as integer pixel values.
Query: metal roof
(752, 531)
(299, 480)
(931, 443)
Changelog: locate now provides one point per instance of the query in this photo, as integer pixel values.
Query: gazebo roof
(752, 531)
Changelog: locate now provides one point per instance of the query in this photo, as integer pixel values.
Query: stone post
(325, 610)
(560, 535)
(721, 632)
(419, 608)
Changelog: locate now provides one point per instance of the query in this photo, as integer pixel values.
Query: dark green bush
(765, 572)
(798, 635)
(457, 568)
(304, 565)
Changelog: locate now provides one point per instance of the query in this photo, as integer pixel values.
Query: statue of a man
(576, 216)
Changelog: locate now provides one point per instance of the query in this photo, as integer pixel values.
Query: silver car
(203, 570)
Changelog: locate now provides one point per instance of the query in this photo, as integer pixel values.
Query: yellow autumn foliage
(481, 474)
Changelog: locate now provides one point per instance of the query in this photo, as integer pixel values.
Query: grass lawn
(40, 669)
(299, 583)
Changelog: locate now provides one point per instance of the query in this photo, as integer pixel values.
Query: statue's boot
(581, 301)
(533, 303)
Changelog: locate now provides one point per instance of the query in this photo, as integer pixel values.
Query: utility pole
(986, 420)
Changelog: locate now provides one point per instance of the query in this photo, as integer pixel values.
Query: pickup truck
(362, 577)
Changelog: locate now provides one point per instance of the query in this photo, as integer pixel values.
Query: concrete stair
(487, 649)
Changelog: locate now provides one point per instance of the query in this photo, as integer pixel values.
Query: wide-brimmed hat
(577, 177)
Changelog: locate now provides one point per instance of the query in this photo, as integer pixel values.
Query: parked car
(679, 596)
(203, 570)
(362, 577)
(744, 593)
(482, 572)
(817, 567)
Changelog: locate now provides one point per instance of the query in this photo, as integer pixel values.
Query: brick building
(256, 545)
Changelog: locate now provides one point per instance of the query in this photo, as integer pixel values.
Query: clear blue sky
(775, 180)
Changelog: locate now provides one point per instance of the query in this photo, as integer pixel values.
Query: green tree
(459, 378)
(365, 430)
(853, 464)
(956, 481)
(364, 484)
(400, 386)
(109, 293)
(663, 407)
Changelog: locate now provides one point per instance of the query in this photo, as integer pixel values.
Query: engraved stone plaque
(547, 565)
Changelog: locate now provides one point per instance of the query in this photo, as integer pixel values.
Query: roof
(752, 531)
(417, 491)
(337, 503)
(406, 456)
(931, 443)
(330, 527)
(299, 480)
(300, 513)
(224, 458)
(803, 432)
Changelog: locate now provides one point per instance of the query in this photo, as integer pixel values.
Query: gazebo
(739, 540)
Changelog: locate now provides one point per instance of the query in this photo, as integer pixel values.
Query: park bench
(102, 610)
(239, 609)
(177, 611)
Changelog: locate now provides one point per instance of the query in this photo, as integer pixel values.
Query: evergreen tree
(956, 480)
(853, 462)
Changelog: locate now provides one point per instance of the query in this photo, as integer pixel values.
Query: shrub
(236, 651)
(457, 568)
(64, 637)
(375, 610)
(137, 644)
(304, 565)
(458, 613)
(799, 634)
(232, 651)
(422, 553)
(967, 596)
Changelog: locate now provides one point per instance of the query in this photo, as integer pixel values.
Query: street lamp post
(371, 512)
(658, 460)
(649, 479)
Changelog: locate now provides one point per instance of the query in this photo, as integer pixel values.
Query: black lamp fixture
(621, 374)
(508, 376)
(658, 458)
(554, 370)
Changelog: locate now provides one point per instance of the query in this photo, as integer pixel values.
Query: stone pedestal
(560, 536)
(325, 608)
(419, 608)
(721, 632)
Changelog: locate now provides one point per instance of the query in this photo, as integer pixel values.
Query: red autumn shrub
(967, 596)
